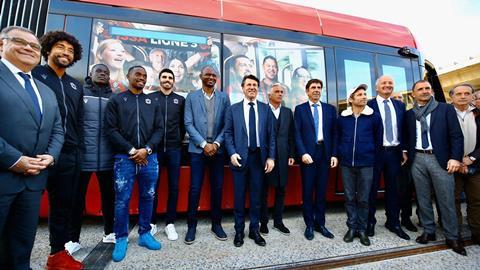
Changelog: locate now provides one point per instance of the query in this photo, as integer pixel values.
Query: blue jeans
(171, 159)
(125, 171)
(198, 164)
(357, 182)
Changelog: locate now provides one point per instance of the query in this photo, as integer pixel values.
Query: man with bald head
(31, 138)
(390, 157)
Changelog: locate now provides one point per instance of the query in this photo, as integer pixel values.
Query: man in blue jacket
(389, 158)
(204, 120)
(435, 148)
(360, 137)
(250, 142)
(315, 133)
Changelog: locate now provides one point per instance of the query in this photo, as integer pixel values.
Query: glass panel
(400, 69)
(272, 61)
(353, 68)
(121, 45)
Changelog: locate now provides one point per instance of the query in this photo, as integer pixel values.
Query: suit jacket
(285, 130)
(305, 137)
(21, 134)
(445, 134)
(236, 136)
(400, 116)
(196, 119)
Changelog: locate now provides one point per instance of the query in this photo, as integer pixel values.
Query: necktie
(252, 127)
(316, 120)
(424, 139)
(388, 122)
(33, 96)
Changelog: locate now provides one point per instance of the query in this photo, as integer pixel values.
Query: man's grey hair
(452, 91)
(277, 84)
(8, 29)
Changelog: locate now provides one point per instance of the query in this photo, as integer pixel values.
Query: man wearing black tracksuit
(61, 51)
(170, 148)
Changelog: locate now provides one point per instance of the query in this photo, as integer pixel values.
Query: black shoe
(257, 238)
(309, 233)
(238, 240)
(281, 228)
(371, 229)
(425, 238)
(219, 233)
(407, 223)
(398, 231)
(190, 236)
(348, 238)
(457, 246)
(324, 231)
(364, 238)
(263, 228)
(475, 239)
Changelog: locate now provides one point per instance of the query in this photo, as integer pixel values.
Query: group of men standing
(77, 130)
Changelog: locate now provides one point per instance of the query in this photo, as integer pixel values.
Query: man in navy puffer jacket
(360, 136)
(98, 155)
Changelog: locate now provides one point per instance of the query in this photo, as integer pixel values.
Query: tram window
(291, 64)
(354, 68)
(121, 45)
(400, 69)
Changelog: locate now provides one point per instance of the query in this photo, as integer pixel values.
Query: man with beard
(134, 122)
(61, 50)
(435, 149)
(204, 120)
(30, 141)
(270, 71)
(98, 154)
(169, 151)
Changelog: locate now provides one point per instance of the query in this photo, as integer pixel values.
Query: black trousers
(107, 192)
(18, 226)
(62, 187)
(279, 200)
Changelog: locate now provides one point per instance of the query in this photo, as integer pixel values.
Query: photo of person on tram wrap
(113, 54)
(360, 136)
(315, 140)
(237, 67)
(270, 76)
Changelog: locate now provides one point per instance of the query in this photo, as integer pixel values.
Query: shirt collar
(273, 108)
(13, 68)
(246, 101)
(310, 103)
(381, 99)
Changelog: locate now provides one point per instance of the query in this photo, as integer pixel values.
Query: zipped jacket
(359, 138)
(98, 155)
(134, 121)
(69, 93)
(172, 107)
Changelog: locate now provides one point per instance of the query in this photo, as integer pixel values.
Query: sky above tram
(446, 31)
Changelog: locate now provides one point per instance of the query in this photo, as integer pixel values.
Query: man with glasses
(61, 50)
(30, 141)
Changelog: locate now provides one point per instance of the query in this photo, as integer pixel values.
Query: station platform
(281, 251)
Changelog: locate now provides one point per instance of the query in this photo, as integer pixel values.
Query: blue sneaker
(120, 249)
(219, 233)
(147, 240)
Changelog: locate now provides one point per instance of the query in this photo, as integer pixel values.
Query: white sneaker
(72, 247)
(170, 232)
(153, 230)
(110, 238)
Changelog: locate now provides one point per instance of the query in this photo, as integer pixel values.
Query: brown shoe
(63, 261)
(457, 246)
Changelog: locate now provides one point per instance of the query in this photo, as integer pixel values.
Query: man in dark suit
(278, 177)
(435, 148)
(315, 137)
(250, 143)
(389, 158)
(30, 141)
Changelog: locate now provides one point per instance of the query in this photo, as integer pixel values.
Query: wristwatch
(149, 150)
(472, 158)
